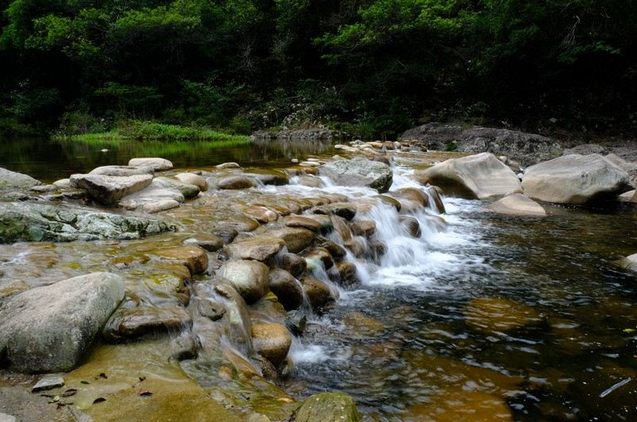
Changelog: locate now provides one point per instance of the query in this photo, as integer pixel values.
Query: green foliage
(379, 65)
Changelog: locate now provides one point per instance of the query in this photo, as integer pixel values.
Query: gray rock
(156, 164)
(12, 180)
(586, 149)
(519, 205)
(359, 172)
(48, 329)
(109, 189)
(628, 167)
(630, 262)
(137, 322)
(35, 222)
(7, 418)
(260, 248)
(327, 407)
(249, 278)
(188, 190)
(48, 382)
(480, 176)
(236, 182)
(154, 197)
(193, 179)
(575, 179)
(209, 242)
(122, 171)
(525, 148)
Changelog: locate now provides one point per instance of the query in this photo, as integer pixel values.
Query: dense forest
(369, 67)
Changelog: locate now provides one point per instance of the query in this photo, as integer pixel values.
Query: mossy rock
(328, 407)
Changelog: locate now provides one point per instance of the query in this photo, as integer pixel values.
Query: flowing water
(481, 318)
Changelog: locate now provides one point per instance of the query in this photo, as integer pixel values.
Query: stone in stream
(336, 250)
(272, 341)
(359, 172)
(517, 204)
(318, 292)
(107, 190)
(137, 322)
(318, 257)
(193, 257)
(630, 262)
(575, 179)
(287, 290)
(260, 248)
(188, 190)
(193, 179)
(630, 196)
(48, 382)
(299, 221)
(293, 264)
(327, 407)
(411, 225)
(496, 316)
(158, 196)
(12, 180)
(209, 242)
(122, 171)
(155, 163)
(480, 176)
(343, 209)
(239, 223)
(412, 194)
(227, 235)
(48, 329)
(295, 239)
(236, 182)
(365, 228)
(260, 213)
(347, 274)
(249, 278)
(434, 193)
(36, 222)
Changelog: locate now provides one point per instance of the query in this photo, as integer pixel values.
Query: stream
(481, 318)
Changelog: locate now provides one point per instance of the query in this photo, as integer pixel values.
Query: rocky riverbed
(185, 294)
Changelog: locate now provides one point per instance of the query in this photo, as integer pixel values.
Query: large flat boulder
(122, 171)
(48, 329)
(12, 180)
(156, 163)
(575, 179)
(35, 222)
(480, 176)
(107, 190)
(359, 172)
(525, 148)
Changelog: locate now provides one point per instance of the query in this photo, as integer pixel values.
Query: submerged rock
(249, 278)
(458, 405)
(134, 323)
(107, 190)
(359, 172)
(493, 316)
(327, 407)
(517, 204)
(21, 221)
(192, 257)
(48, 329)
(209, 242)
(575, 179)
(12, 180)
(272, 341)
(480, 176)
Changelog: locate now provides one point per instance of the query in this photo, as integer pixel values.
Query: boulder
(260, 248)
(411, 225)
(236, 182)
(517, 204)
(48, 329)
(295, 239)
(575, 179)
(186, 189)
(526, 148)
(35, 222)
(193, 179)
(109, 189)
(480, 176)
(12, 180)
(286, 288)
(365, 228)
(627, 166)
(192, 257)
(630, 262)
(630, 196)
(137, 322)
(156, 164)
(359, 172)
(249, 278)
(209, 242)
(318, 293)
(272, 341)
(327, 407)
(343, 209)
(294, 264)
(261, 213)
(160, 205)
(298, 221)
(122, 171)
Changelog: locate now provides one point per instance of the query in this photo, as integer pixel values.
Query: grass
(150, 131)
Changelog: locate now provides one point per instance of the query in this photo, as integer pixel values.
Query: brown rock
(294, 264)
(318, 292)
(272, 341)
(295, 239)
(193, 257)
(286, 288)
(134, 323)
(260, 248)
(298, 221)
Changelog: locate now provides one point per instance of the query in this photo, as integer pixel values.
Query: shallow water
(492, 318)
